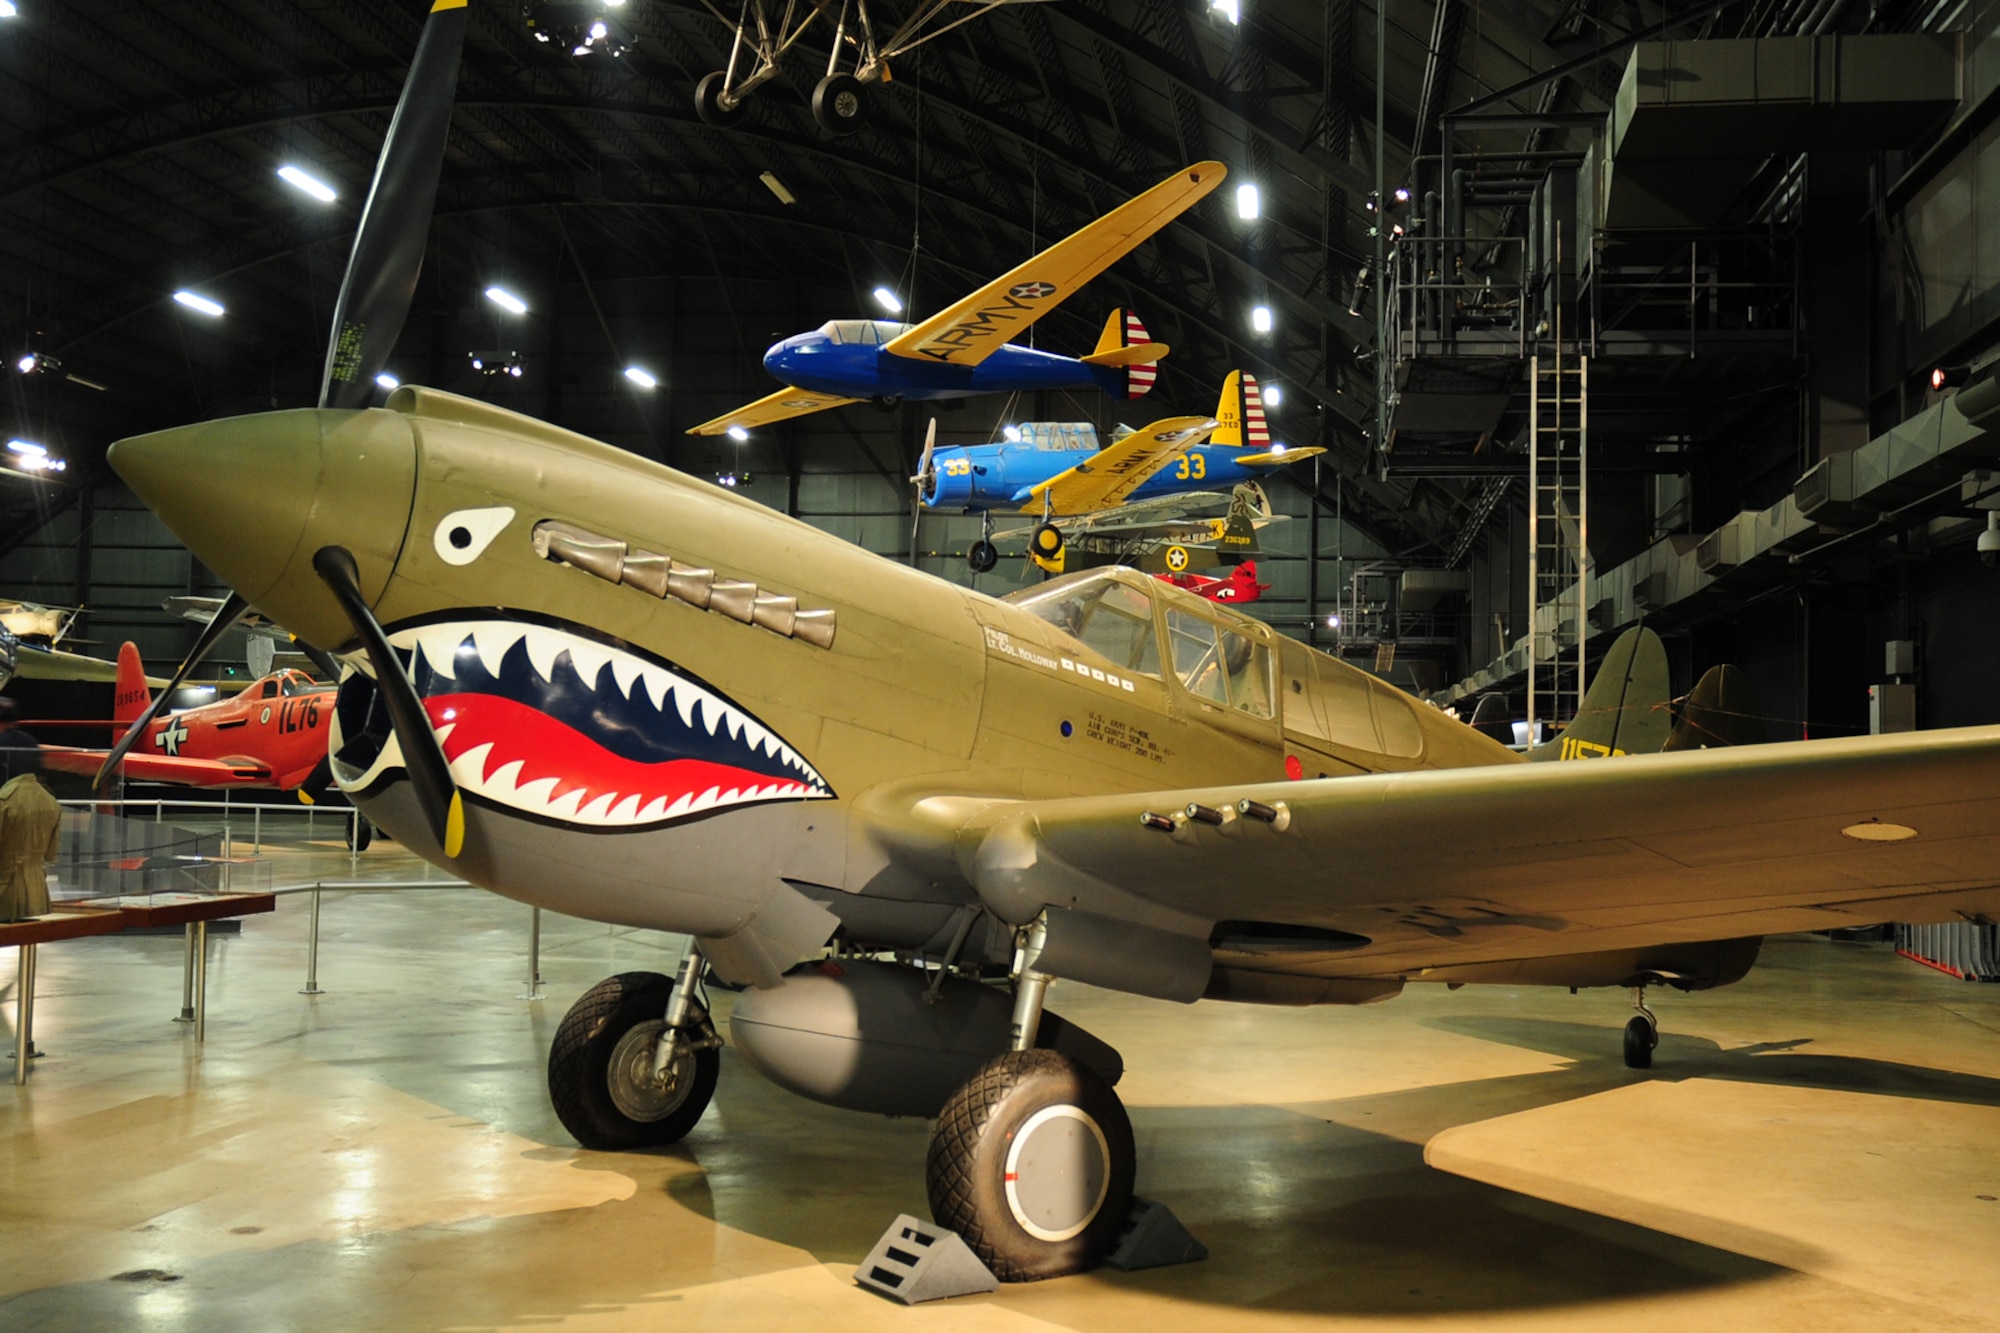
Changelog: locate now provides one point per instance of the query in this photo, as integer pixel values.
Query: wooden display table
(194, 911)
(27, 936)
(108, 916)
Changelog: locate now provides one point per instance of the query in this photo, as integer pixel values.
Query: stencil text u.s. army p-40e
(586, 681)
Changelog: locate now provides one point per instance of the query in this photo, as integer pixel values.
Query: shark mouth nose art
(536, 718)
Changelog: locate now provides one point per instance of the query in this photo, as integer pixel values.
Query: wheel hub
(1058, 1172)
(637, 1094)
(846, 105)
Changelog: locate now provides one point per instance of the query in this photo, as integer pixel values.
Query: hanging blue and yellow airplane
(1056, 468)
(965, 348)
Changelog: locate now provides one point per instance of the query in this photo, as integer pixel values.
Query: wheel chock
(1153, 1238)
(917, 1261)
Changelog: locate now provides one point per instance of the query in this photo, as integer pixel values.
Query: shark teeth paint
(540, 719)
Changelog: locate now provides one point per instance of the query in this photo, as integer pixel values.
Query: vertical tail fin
(1126, 356)
(1625, 710)
(1241, 414)
(1721, 710)
(1247, 504)
(130, 694)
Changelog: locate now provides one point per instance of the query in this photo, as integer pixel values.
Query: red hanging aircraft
(1240, 586)
(273, 734)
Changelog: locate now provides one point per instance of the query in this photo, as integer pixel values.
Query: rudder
(131, 694)
(1625, 710)
(1240, 414)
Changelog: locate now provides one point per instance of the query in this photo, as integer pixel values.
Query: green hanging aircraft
(598, 685)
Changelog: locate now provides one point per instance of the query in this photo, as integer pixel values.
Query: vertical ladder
(1559, 530)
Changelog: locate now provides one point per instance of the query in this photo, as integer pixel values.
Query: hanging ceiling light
(1248, 204)
(195, 301)
(300, 179)
(1260, 318)
(506, 300)
(888, 300)
(641, 378)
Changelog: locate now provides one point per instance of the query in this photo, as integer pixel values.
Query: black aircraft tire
(1033, 1140)
(1640, 1039)
(359, 834)
(708, 103)
(982, 557)
(840, 104)
(581, 1067)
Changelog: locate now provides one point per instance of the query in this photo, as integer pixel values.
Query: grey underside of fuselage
(704, 877)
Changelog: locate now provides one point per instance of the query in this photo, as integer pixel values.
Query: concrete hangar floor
(1815, 1148)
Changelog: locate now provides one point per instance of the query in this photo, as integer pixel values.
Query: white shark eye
(463, 535)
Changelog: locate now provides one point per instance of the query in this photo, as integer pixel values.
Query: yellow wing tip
(454, 827)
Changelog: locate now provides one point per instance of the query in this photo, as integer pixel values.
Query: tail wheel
(1032, 1163)
(983, 556)
(708, 102)
(1046, 540)
(601, 1067)
(840, 104)
(359, 834)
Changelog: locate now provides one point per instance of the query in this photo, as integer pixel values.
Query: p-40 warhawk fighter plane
(965, 348)
(587, 681)
(1059, 470)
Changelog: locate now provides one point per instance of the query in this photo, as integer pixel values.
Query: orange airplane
(273, 734)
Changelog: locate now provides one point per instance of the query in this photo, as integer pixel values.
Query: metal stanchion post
(534, 991)
(257, 831)
(312, 951)
(201, 981)
(24, 1011)
(187, 976)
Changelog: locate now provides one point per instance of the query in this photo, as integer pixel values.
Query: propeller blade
(395, 222)
(313, 790)
(437, 794)
(221, 623)
(327, 664)
(917, 493)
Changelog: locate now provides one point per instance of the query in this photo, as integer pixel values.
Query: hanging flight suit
(30, 839)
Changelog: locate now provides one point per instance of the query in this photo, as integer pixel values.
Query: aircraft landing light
(193, 301)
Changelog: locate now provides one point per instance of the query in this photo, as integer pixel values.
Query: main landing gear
(635, 1061)
(1032, 1160)
(983, 554)
(1642, 1034)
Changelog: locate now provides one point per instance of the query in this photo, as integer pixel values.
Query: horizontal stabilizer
(1140, 354)
(1277, 457)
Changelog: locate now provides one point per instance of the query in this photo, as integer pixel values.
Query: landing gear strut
(635, 1061)
(1642, 1034)
(1032, 1160)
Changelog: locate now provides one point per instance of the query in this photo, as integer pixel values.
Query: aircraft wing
(972, 329)
(160, 768)
(32, 663)
(1414, 874)
(780, 406)
(1103, 480)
